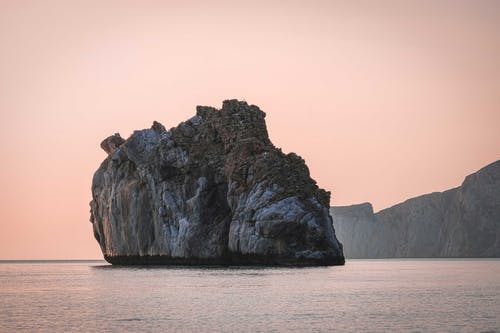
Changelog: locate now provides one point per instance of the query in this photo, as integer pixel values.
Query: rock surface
(461, 222)
(213, 190)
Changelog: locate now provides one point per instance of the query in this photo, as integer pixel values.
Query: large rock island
(213, 190)
(461, 222)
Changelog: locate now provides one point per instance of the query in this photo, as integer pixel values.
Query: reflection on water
(368, 295)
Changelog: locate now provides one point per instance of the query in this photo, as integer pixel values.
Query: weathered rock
(461, 222)
(111, 143)
(213, 190)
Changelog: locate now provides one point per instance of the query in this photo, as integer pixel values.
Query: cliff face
(213, 190)
(461, 222)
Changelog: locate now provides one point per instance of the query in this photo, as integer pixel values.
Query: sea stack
(213, 190)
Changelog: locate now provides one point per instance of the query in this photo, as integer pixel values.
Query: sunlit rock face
(461, 222)
(213, 190)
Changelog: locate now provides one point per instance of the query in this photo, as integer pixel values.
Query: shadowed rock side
(213, 190)
(461, 222)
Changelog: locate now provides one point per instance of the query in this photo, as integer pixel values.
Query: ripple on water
(364, 295)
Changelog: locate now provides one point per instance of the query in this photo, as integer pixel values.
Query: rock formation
(213, 190)
(461, 222)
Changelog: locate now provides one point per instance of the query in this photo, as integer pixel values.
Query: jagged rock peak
(213, 189)
(111, 143)
(158, 128)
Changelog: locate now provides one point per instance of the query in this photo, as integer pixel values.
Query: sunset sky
(385, 100)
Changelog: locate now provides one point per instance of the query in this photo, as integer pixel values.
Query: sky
(385, 100)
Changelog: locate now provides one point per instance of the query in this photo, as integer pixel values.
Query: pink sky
(385, 100)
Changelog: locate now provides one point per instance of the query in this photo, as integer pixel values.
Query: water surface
(363, 295)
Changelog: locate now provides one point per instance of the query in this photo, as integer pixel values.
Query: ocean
(441, 295)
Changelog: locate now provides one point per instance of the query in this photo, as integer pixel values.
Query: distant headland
(463, 222)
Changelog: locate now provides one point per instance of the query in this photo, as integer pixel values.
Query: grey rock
(111, 143)
(213, 190)
(461, 222)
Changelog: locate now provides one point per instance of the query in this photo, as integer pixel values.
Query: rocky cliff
(461, 222)
(213, 190)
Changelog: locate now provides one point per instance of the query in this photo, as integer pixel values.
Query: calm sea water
(363, 295)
